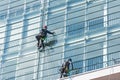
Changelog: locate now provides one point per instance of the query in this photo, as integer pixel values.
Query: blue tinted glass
(75, 29)
(94, 63)
(95, 24)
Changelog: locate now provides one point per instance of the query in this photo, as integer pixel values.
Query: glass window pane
(9, 72)
(94, 52)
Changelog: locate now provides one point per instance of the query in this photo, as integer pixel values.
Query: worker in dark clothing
(62, 70)
(42, 36)
(66, 68)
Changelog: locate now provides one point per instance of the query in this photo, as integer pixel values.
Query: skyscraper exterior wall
(87, 31)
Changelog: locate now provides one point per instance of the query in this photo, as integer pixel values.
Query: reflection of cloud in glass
(2, 23)
(42, 1)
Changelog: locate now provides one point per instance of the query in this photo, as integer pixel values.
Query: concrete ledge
(104, 73)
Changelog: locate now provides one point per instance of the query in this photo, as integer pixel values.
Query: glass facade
(88, 31)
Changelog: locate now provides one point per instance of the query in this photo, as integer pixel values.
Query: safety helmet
(69, 59)
(45, 27)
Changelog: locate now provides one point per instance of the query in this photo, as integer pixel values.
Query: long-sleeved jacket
(44, 32)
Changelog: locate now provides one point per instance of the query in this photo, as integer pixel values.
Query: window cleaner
(41, 37)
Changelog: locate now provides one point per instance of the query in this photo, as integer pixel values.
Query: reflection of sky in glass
(14, 4)
(2, 35)
(75, 42)
(2, 23)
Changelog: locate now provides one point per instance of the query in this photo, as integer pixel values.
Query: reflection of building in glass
(88, 31)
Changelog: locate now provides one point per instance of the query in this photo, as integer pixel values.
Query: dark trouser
(62, 73)
(40, 39)
(42, 44)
